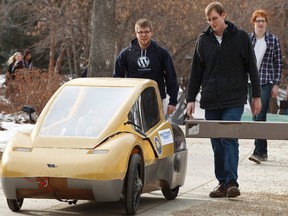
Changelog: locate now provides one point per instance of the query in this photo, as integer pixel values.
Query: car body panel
(50, 163)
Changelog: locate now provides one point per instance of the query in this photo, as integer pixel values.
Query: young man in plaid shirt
(269, 63)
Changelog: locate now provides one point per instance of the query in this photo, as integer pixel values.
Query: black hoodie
(221, 70)
(149, 63)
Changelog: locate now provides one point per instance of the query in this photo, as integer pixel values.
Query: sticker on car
(165, 136)
(158, 145)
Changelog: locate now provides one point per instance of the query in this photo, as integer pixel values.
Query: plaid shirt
(271, 65)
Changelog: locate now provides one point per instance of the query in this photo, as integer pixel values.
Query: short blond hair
(143, 23)
(217, 6)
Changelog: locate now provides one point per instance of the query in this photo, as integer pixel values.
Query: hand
(190, 109)
(170, 109)
(274, 91)
(256, 106)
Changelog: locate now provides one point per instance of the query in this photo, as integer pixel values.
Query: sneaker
(233, 191)
(218, 192)
(264, 157)
(255, 158)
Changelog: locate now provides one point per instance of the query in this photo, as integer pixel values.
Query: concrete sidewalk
(264, 189)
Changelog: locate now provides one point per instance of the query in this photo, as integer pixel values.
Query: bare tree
(59, 27)
(177, 24)
(101, 58)
(64, 28)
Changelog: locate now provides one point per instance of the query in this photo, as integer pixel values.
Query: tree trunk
(69, 62)
(102, 48)
(52, 55)
(57, 69)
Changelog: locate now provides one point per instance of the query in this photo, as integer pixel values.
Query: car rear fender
(179, 138)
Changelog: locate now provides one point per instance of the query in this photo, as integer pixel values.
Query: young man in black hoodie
(146, 59)
(222, 61)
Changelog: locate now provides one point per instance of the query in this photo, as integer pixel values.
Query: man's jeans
(226, 151)
(261, 144)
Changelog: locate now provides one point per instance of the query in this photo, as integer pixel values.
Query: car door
(146, 115)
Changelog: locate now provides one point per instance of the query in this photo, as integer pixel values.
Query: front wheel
(134, 184)
(15, 204)
(170, 194)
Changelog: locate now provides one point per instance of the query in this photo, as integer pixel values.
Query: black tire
(15, 204)
(133, 184)
(170, 194)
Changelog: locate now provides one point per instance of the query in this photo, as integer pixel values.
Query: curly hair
(259, 13)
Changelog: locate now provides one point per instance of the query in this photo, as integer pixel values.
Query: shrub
(32, 87)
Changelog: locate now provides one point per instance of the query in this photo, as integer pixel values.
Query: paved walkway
(264, 189)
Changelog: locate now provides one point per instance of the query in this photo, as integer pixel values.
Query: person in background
(27, 59)
(223, 59)
(146, 59)
(15, 62)
(269, 64)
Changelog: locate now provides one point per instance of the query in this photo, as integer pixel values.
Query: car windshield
(83, 111)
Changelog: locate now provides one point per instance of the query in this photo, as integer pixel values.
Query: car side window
(135, 115)
(149, 108)
(145, 111)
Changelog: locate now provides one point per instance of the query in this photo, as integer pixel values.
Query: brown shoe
(233, 191)
(255, 158)
(218, 192)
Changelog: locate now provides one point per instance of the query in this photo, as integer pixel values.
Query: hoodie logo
(143, 62)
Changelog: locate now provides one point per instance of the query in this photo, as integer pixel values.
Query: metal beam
(196, 128)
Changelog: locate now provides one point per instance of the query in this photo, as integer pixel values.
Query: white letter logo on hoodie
(143, 61)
